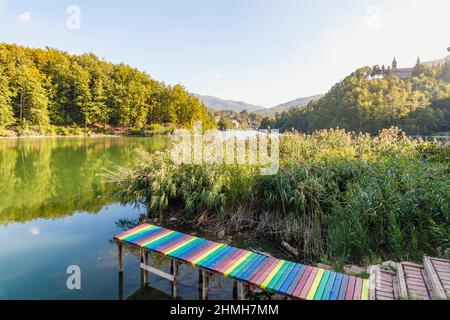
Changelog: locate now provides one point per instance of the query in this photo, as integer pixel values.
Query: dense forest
(46, 91)
(369, 100)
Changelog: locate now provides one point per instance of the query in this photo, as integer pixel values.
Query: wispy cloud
(25, 17)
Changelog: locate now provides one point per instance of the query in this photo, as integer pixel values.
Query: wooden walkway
(249, 269)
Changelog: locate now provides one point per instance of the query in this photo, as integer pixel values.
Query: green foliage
(420, 105)
(50, 87)
(243, 119)
(338, 196)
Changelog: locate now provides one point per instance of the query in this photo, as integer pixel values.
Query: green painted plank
(322, 285)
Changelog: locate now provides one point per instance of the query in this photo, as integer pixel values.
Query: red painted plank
(263, 272)
(358, 289)
(229, 262)
(198, 253)
(301, 283)
(308, 283)
(350, 288)
(143, 241)
(266, 272)
(175, 243)
(138, 228)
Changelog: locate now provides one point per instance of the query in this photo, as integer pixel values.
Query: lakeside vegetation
(55, 93)
(338, 197)
(370, 99)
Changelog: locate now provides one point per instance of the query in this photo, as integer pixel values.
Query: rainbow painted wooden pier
(248, 269)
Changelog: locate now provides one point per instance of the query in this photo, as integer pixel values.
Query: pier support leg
(200, 284)
(205, 285)
(175, 284)
(146, 273)
(119, 247)
(120, 286)
(235, 290)
(242, 291)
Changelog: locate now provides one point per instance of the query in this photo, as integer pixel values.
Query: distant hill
(436, 62)
(217, 104)
(300, 102)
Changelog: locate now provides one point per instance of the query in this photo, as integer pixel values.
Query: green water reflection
(53, 177)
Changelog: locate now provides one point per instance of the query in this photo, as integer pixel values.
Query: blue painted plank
(244, 264)
(252, 268)
(134, 238)
(336, 286)
(286, 273)
(205, 263)
(329, 286)
(223, 258)
(164, 240)
(250, 275)
(343, 288)
(296, 280)
(287, 282)
(194, 245)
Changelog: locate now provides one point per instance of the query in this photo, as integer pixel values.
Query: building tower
(394, 63)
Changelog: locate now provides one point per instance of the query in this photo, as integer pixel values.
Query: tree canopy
(45, 88)
(366, 102)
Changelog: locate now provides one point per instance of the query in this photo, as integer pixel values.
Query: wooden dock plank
(309, 283)
(343, 288)
(270, 274)
(322, 285)
(329, 287)
(291, 282)
(278, 275)
(298, 286)
(336, 286)
(286, 273)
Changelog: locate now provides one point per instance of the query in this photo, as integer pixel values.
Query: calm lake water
(56, 211)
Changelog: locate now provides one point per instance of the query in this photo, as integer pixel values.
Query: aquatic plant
(338, 195)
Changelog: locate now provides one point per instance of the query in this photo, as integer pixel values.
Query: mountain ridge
(219, 104)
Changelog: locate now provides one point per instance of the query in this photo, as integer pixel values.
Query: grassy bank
(338, 196)
(154, 130)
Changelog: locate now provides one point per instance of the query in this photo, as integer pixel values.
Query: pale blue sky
(259, 51)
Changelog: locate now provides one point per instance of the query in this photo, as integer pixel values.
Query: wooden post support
(242, 291)
(120, 286)
(200, 284)
(119, 246)
(175, 286)
(146, 273)
(235, 296)
(205, 284)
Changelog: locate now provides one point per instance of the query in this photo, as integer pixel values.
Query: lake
(57, 211)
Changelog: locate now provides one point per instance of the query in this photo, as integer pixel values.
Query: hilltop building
(402, 73)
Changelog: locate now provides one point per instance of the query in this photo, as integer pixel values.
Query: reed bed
(339, 196)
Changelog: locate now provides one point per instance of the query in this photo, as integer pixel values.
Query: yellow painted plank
(133, 233)
(365, 290)
(157, 238)
(315, 285)
(236, 264)
(179, 246)
(272, 274)
(207, 253)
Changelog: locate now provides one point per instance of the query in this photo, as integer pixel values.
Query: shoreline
(97, 135)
